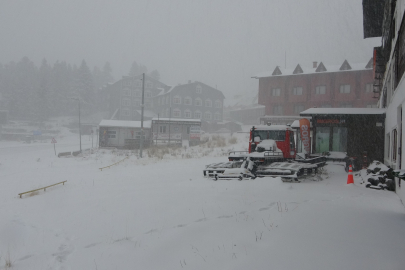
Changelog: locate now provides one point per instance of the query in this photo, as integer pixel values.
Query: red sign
(53, 140)
(305, 133)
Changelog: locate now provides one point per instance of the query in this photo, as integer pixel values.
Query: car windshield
(277, 135)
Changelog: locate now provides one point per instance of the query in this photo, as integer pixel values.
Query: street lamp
(80, 128)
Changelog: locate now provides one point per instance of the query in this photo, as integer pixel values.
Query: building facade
(125, 97)
(289, 92)
(385, 19)
(194, 100)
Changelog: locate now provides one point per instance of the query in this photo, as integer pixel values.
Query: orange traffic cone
(350, 176)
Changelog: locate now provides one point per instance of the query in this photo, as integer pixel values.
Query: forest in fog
(36, 93)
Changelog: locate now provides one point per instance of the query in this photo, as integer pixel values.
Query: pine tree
(85, 87)
(155, 74)
(43, 95)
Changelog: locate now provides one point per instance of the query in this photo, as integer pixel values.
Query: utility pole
(80, 126)
(142, 105)
(170, 117)
(157, 130)
(80, 129)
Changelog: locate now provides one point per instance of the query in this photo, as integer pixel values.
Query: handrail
(101, 169)
(44, 188)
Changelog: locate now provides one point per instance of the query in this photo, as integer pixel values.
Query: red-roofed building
(291, 91)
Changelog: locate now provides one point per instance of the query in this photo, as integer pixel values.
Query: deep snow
(163, 214)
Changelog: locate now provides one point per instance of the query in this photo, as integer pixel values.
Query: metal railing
(44, 188)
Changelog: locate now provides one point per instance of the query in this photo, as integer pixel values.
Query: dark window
(277, 135)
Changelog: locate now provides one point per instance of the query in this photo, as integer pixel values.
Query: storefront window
(322, 139)
(339, 143)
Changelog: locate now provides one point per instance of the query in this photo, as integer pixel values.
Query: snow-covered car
(231, 170)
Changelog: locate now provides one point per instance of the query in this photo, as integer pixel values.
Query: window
(369, 88)
(176, 128)
(394, 145)
(187, 101)
(187, 114)
(126, 92)
(208, 103)
(138, 83)
(177, 100)
(297, 91)
(197, 115)
(176, 113)
(167, 100)
(198, 89)
(149, 84)
(148, 94)
(339, 141)
(126, 102)
(158, 101)
(320, 90)
(371, 106)
(162, 129)
(217, 116)
(218, 104)
(198, 102)
(344, 89)
(137, 93)
(125, 112)
(137, 102)
(276, 92)
(298, 108)
(111, 134)
(207, 116)
(277, 110)
(346, 106)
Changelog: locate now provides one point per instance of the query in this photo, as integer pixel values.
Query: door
(322, 138)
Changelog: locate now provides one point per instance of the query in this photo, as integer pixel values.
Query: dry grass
(233, 140)
(8, 263)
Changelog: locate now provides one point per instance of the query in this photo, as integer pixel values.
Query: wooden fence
(44, 188)
(112, 164)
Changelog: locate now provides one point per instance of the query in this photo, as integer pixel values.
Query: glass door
(322, 138)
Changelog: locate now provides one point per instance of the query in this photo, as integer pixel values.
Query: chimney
(189, 81)
(315, 64)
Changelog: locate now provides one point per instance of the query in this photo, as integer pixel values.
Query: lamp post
(80, 128)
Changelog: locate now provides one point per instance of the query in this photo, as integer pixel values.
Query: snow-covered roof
(176, 119)
(296, 123)
(342, 111)
(122, 123)
(272, 127)
(147, 113)
(307, 70)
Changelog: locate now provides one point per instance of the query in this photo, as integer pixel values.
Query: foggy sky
(219, 42)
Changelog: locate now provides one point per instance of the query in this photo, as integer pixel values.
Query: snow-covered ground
(156, 213)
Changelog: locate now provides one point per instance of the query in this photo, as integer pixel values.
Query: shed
(123, 134)
(174, 130)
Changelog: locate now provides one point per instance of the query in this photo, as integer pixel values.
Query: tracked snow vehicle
(272, 149)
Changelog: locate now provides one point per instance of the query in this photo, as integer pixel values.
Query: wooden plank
(44, 188)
